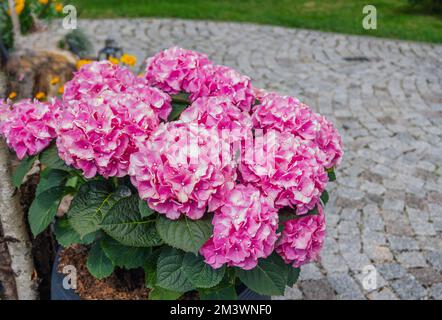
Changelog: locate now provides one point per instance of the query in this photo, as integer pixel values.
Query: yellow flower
(55, 80)
(114, 60)
(12, 95)
(43, 1)
(19, 7)
(82, 62)
(40, 95)
(61, 90)
(128, 59)
(58, 7)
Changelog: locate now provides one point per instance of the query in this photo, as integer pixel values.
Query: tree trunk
(16, 29)
(15, 233)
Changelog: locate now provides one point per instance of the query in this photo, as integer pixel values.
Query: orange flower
(43, 1)
(114, 60)
(12, 95)
(58, 7)
(55, 80)
(128, 59)
(82, 62)
(40, 95)
(19, 7)
(61, 90)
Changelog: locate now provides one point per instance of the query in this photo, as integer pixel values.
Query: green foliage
(67, 236)
(331, 174)
(98, 264)
(170, 272)
(184, 233)
(226, 293)
(44, 207)
(124, 223)
(159, 293)
(324, 198)
(49, 158)
(22, 170)
(89, 205)
(199, 273)
(125, 256)
(78, 43)
(50, 178)
(269, 277)
(26, 14)
(293, 275)
(145, 211)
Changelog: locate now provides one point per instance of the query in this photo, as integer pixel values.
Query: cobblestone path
(385, 212)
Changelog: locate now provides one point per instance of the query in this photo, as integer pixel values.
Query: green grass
(395, 18)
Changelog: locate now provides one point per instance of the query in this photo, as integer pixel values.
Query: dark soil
(121, 285)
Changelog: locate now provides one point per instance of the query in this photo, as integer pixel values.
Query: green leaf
(44, 207)
(91, 202)
(200, 273)
(163, 294)
(67, 236)
(184, 233)
(50, 178)
(125, 256)
(22, 170)
(150, 269)
(98, 264)
(226, 293)
(331, 174)
(324, 197)
(144, 208)
(293, 275)
(177, 109)
(124, 223)
(170, 273)
(50, 159)
(269, 277)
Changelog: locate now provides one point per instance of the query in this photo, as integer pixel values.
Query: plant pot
(60, 293)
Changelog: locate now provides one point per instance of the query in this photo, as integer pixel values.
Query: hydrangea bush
(188, 172)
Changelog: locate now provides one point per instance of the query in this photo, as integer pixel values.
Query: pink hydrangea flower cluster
(96, 78)
(178, 70)
(288, 114)
(28, 126)
(180, 170)
(100, 129)
(286, 169)
(232, 123)
(224, 81)
(244, 229)
(302, 239)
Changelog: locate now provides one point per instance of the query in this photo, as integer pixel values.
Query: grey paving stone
(426, 276)
(436, 291)
(317, 290)
(412, 259)
(310, 272)
(391, 270)
(435, 259)
(401, 243)
(290, 294)
(382, 294)
(408, 288)
(345, 286)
